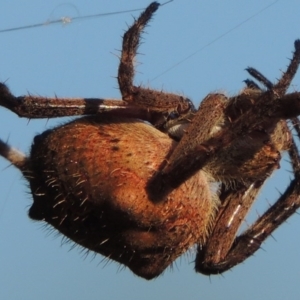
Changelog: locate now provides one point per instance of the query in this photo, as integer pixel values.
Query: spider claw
(260, 77)
(252, 85)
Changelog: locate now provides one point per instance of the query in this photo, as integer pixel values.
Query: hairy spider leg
(144, 97)
(219, 255)
(36, 107)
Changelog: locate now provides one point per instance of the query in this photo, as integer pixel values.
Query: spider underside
(140, 193)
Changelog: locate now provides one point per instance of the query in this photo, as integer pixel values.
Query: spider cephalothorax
(132, 180)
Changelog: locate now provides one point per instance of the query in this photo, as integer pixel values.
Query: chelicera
(143, 179)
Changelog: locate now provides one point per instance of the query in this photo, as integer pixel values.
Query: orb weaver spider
(132, 179)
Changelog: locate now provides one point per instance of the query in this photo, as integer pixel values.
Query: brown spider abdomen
(88, 179)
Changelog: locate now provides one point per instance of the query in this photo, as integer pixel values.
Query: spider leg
(236, 203)
(149, 99)
(131, 41)
(15, 157)
(43, 107)
(283, 84)
(182, 159)
(223, 250)
(35, 107)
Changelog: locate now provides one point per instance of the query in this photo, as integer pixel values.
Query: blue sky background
(80, 60)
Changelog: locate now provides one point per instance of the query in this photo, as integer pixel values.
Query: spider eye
(173, 115)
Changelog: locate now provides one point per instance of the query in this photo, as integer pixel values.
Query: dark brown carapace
(143, 179)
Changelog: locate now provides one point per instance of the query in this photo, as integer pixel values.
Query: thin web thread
(214, 40)
(67, 20)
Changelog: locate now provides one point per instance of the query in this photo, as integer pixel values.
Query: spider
(144, 179)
